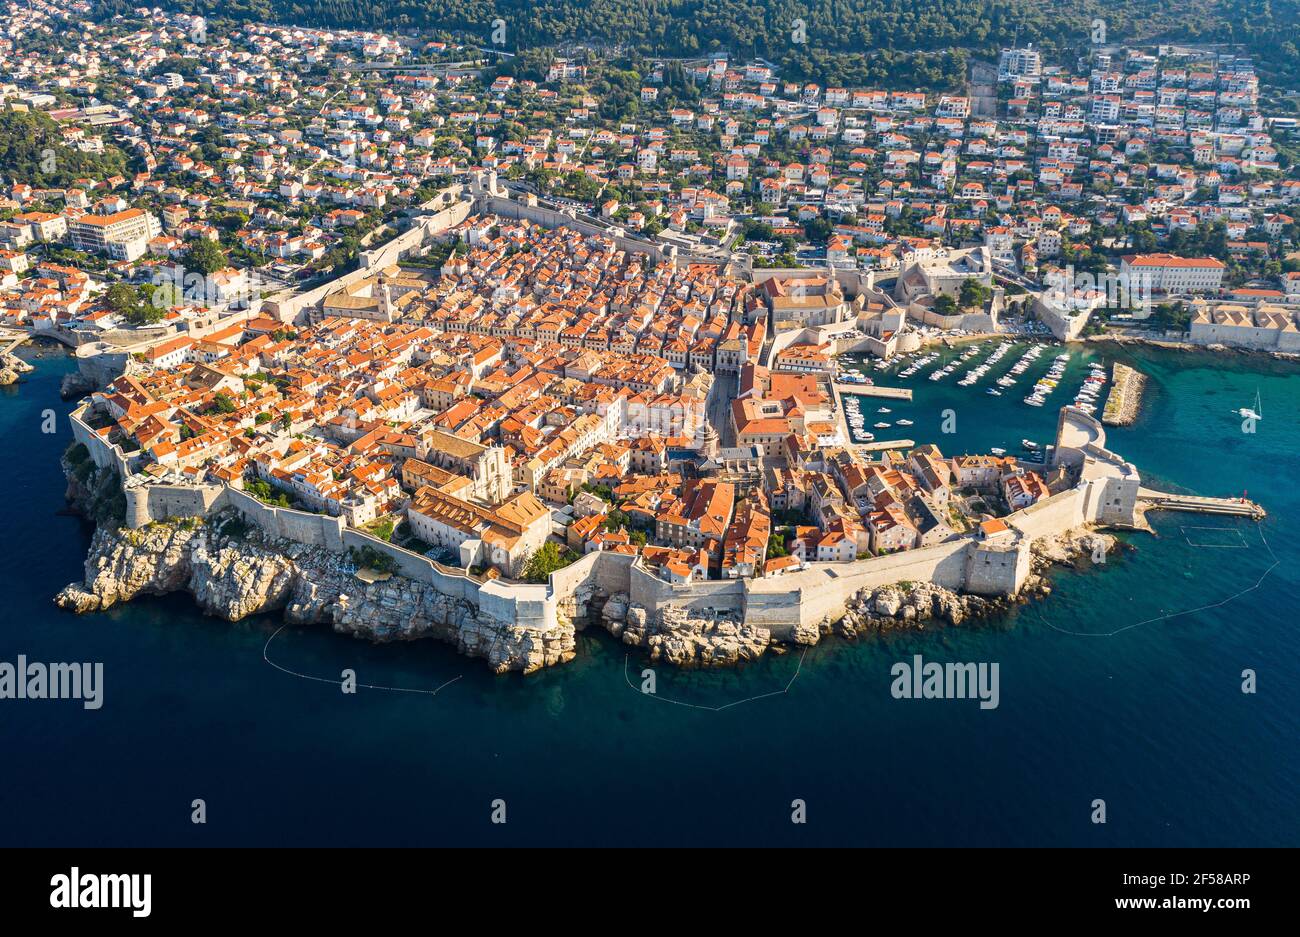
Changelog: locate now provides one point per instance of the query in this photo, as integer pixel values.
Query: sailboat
(1248, 413)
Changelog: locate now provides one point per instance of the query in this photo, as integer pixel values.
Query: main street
(718, 406)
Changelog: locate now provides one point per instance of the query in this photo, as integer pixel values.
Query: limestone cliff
(233, 571)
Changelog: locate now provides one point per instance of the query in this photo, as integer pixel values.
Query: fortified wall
(1106, 493)
(290, 306)
(489, 201)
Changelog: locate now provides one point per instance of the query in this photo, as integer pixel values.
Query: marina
(978, 398)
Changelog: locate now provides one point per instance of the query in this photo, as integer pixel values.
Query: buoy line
(368, 686)
(715, 709)
(1189, 611)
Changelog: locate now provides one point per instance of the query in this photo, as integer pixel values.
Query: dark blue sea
(1109, 689)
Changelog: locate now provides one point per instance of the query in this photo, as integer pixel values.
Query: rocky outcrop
(234, 571)
(1079, 547)
(911, 606)
(11, 369)
(76, 385)
(685, 640)
(122, 565)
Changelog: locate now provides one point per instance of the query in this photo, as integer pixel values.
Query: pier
(11, 341)
(885, 445)
(872, 390)
(1240, 507)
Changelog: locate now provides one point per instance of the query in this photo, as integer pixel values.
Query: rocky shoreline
(233, 570)
(12, 368)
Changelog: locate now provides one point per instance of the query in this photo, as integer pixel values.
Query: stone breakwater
(1125, 399)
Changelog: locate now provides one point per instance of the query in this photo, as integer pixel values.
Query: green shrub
(372, 558)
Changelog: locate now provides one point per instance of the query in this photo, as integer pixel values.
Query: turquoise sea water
(1151, 719)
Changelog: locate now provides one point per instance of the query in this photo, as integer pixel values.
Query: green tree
(546, 560)
(974, 293)
(204, 256)
(132, 303)
(32, 151)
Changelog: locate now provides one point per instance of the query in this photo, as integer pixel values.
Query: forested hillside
(32, 151)
(848, 41)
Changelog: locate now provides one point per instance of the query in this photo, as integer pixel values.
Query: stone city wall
(553, 218)
(807, 597)
(147, 503)
(1239, 336)
(1052, 515)
(783, 603)
(103, 453)
(317, 530)
(290, 306)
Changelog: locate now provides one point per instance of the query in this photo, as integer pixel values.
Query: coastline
(234, 570)
(1211, 349)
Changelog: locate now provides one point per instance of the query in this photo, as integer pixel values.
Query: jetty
(885, 445)
(1125, 398)
(874, 390)
(1150, 499)
(10, 340)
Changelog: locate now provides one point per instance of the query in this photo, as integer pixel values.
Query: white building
(1170, 274)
